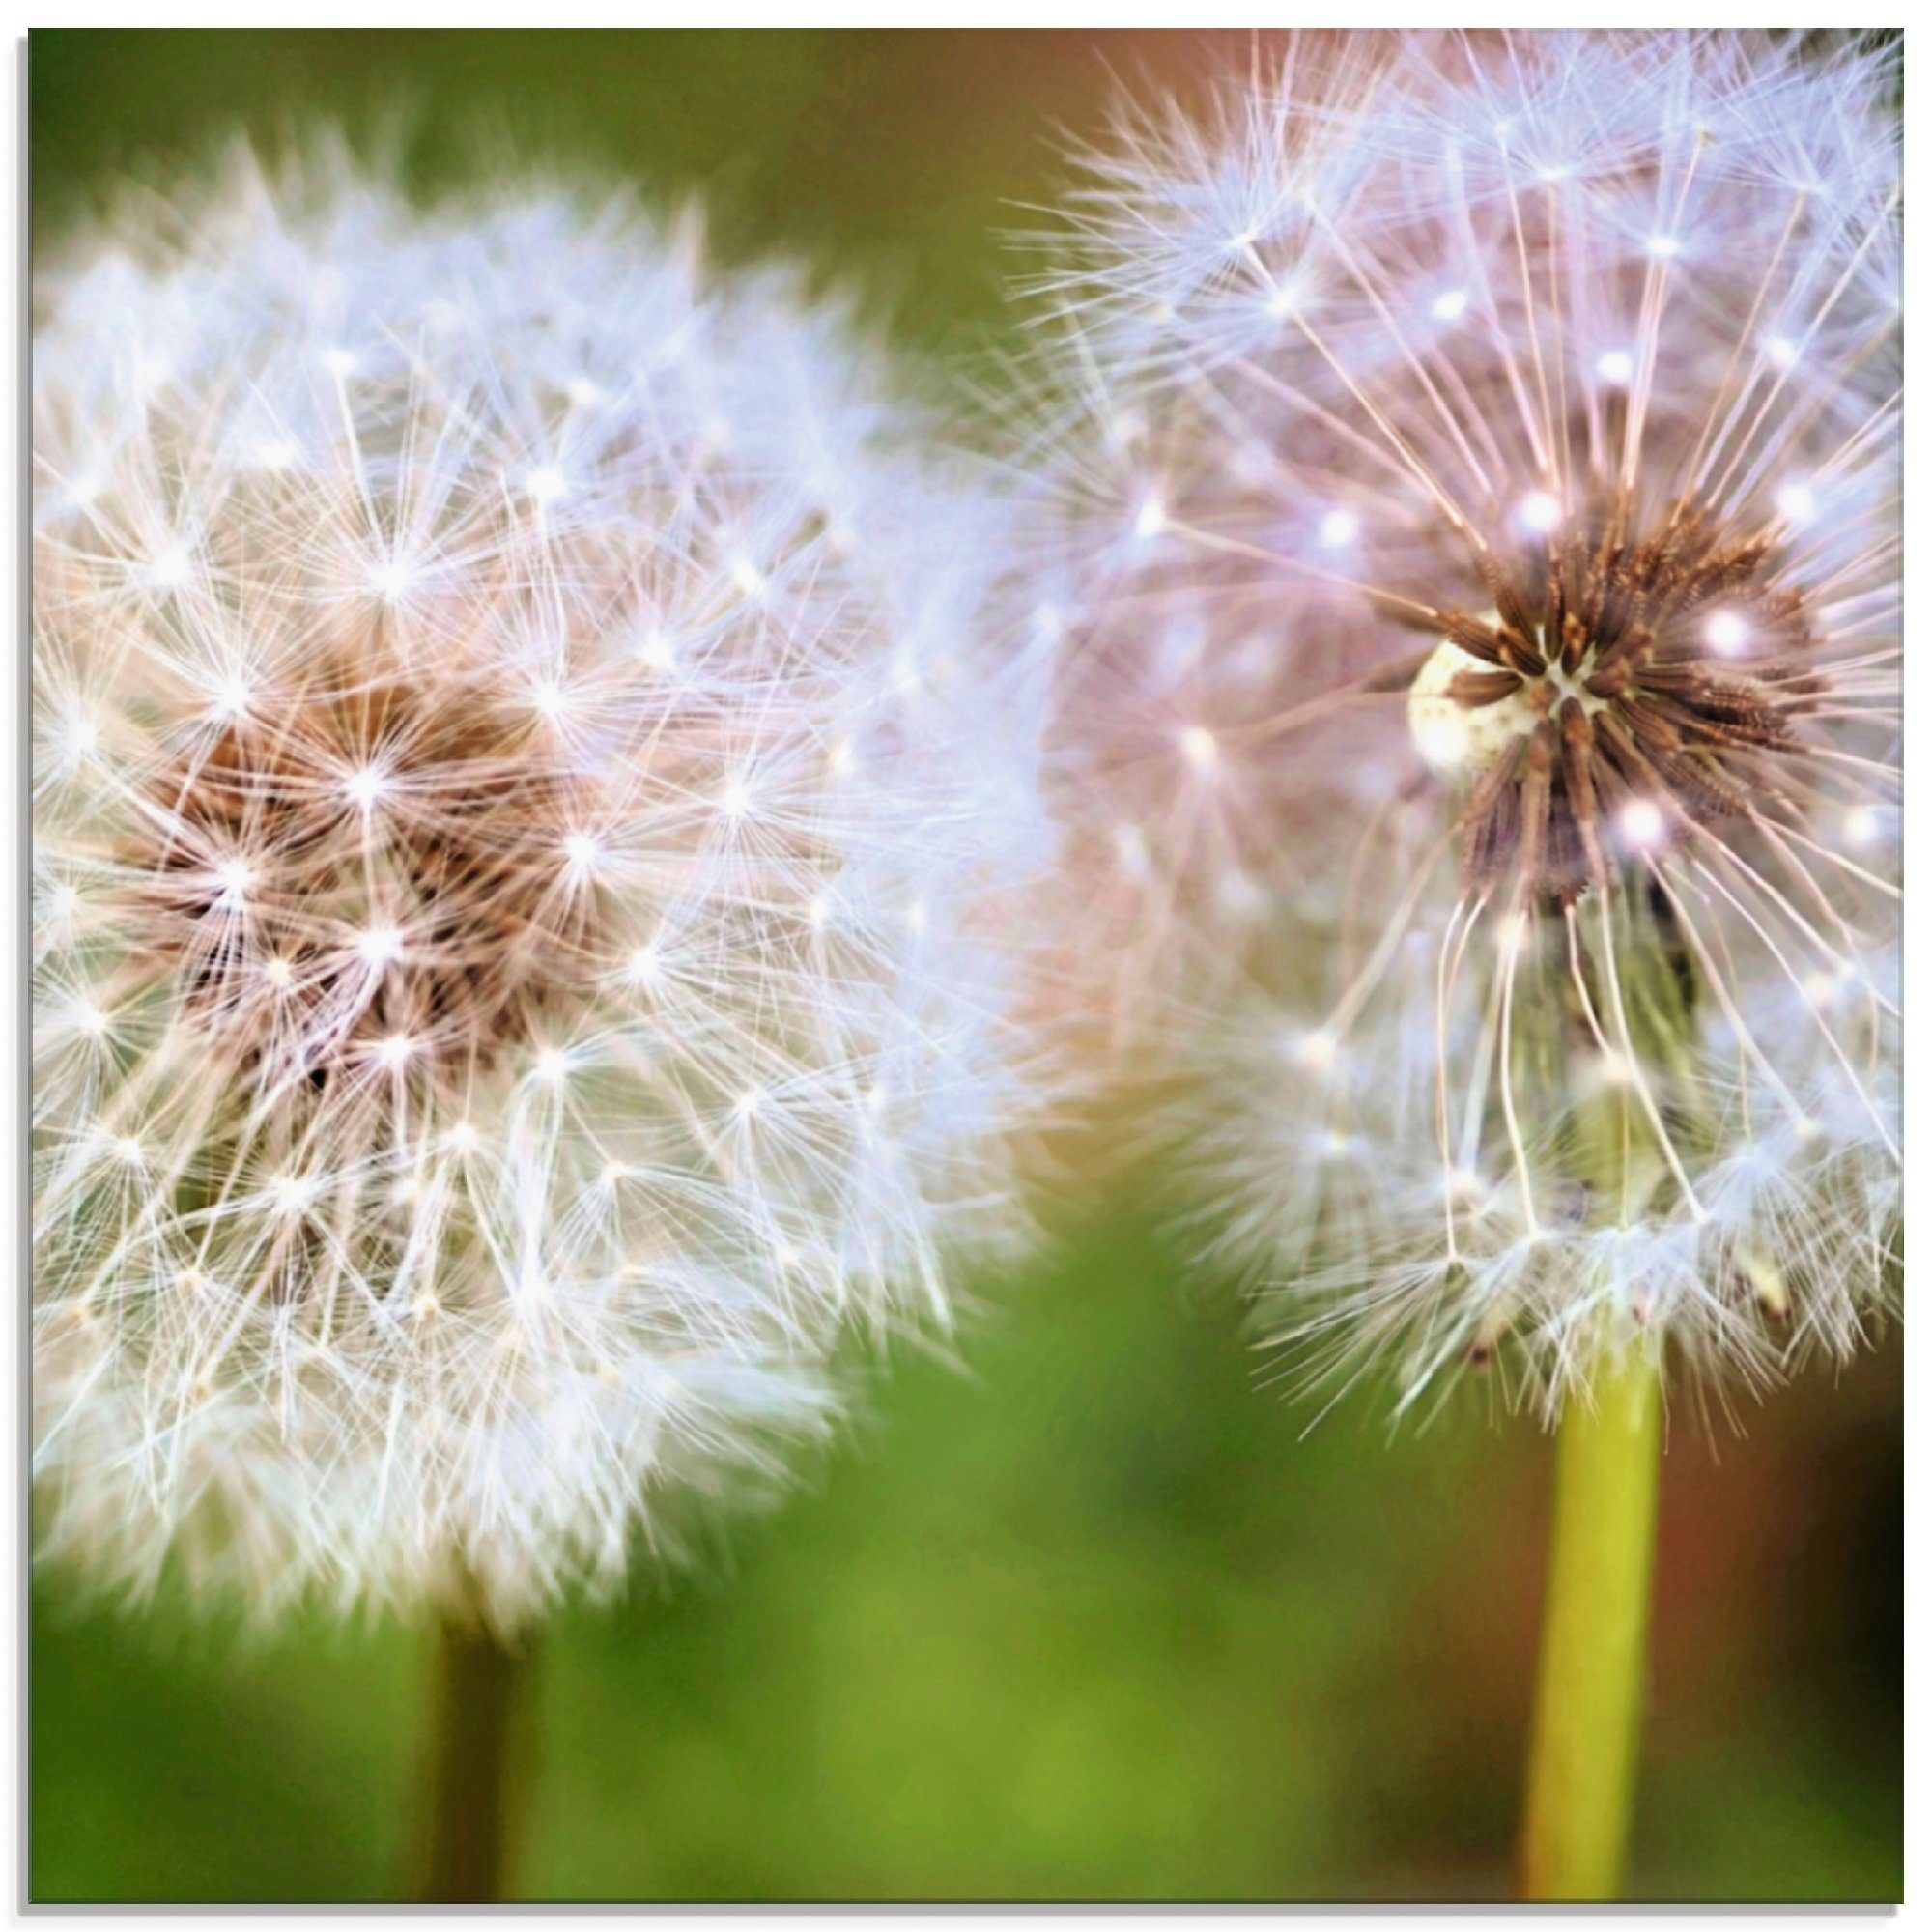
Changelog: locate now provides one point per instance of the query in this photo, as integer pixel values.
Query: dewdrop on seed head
(414, 945)
(1571, 778)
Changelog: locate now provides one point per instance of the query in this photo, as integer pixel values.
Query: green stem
(1589, 1693)
(473, 1771)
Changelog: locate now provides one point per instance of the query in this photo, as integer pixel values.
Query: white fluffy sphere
(524, 816)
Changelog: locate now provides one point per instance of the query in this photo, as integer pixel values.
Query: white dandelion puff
(1538, 585)
(409, 940)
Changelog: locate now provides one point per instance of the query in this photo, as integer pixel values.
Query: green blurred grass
(888, 161)
(1088, 1619)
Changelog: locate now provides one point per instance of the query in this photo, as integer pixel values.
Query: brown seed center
(1622, 693)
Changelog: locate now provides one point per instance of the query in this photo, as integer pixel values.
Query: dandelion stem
(472, 1768)
(1583, 1749)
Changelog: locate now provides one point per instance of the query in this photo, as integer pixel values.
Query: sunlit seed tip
(1450, 305)
(365, 787)
(1339, 529)
(1663, 248)
(338, 362)
(1781, 352)
(1317, 1050)
(1642, 824)
(552, 1067)
(1797, 504)
(1539, 512)
(169, 567)
(1200, 748)
(582, 852)
(380, 946)
(291, 1192)
(231, 698)
(1726, 632)
(394, 1051)
(1616, 367)
(1150, 518)
(391, 579)
(1862, 826)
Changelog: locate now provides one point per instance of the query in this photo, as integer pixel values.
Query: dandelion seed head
(1563, 787)
(482, 724)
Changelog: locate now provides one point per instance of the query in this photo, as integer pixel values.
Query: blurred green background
(1087, 1619)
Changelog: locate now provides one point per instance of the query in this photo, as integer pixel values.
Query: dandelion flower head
(520, 798)
(1476, 463)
